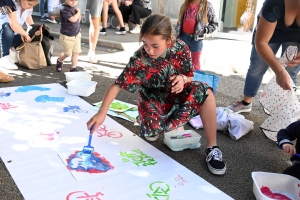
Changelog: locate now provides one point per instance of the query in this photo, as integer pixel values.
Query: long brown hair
(157, 24)
(203, 9)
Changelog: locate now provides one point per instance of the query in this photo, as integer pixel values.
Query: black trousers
(134, 13)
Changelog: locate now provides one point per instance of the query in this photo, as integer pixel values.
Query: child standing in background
(161, 70)
(196, 18)
(70, 36)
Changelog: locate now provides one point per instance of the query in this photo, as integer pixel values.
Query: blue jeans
(194, 46)
(42, 7)
(258, 68)
(8, 39)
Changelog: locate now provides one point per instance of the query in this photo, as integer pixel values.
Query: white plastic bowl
(182, 143)
(81, 87)
(77, 76)
(277, 183)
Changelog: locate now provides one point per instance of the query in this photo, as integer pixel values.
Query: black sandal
(74, 69)
(59, 65)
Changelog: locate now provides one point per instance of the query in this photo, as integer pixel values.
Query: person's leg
(95, 7)
(137, 13)
(196, 60)
(125, 11)
(6, 37)
(255, 73)
(118, 13)
(293, 71)
(74, 62)
(42, 8)
(104, 17)
(76, 51)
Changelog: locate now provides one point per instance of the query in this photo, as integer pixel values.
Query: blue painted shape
(74, 109)
(28, 88)
(2, 94)
(45, 98)
(86, 162)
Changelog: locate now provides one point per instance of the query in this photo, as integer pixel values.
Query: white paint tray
(281, 184)
(192, 142)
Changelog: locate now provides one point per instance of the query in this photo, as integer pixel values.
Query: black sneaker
(121, 31)
(59, 65)
(214, 161)
(44, 18)
(103, 31)
(75, 69)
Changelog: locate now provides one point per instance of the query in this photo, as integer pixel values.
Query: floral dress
(159, 109)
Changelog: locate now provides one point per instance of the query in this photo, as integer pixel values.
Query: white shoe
(13, 56)
(52, 21)
(92, 58)
(136, 30)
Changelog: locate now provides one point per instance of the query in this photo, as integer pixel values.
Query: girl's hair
(157, 24)
(202, 9)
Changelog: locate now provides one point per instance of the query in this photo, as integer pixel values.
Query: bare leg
(208, 116)
(93, 33)
(75, 59)
(248, 99)
(118, 13)
(62, 57)
(104, 14)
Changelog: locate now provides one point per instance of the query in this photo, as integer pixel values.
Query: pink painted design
(180, 180)
(102, 131)
(6, 106)
(49, 136)
(78, 195)
(273, 195)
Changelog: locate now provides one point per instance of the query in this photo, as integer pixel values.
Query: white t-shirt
(20, 18)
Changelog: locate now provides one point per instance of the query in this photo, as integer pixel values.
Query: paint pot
(179, 140)
(269, 184)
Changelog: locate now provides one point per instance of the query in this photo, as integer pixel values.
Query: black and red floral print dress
(159, 109)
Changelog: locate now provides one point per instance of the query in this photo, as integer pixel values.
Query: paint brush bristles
(89, 149)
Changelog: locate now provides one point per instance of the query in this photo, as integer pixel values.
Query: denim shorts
(194, 46)
(95, 7)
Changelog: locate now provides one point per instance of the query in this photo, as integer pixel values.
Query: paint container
(81, 87)
(77, 76)
(275, 184)
(179, 140)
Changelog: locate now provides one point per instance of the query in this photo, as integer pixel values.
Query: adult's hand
(294, 62)
(26, 38)
(283, 79)
(39, 32)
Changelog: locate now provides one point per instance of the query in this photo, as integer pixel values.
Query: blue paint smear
(31, 88)
(2, 94)
(45, 98)
(74, 109)
(86, 162)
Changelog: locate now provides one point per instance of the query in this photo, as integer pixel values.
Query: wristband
(184, 78)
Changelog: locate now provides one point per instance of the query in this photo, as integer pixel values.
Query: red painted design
(267, 192)
(77, 195)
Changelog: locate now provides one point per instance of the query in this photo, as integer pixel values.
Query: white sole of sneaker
(153, 138)
(101, 33)
(217, 171)
(244, 111)
(121, 33)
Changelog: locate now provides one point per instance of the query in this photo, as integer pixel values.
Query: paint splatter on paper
(91, 163)
(2, 94)
(74, 109)
(28, 88)
(6, 106)
(45, 98)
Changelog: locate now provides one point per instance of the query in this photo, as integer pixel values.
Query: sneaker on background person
(121, 31)
(52, 21)
(102, 31)
(92, 57)
(240, 107)
(44, 18)
(136, 30)
(126, 27)
(214, 161)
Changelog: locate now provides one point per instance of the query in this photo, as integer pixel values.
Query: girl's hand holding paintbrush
(288, 148)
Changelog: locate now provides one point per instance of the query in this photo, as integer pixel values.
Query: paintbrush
(89, 149)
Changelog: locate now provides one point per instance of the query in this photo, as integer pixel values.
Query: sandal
(59, 65)
(4, 78)
(75, 69)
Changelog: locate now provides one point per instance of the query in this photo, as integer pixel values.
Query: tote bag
(31, 54)
(210, 79)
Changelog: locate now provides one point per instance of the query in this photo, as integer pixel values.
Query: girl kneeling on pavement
(162, 71)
